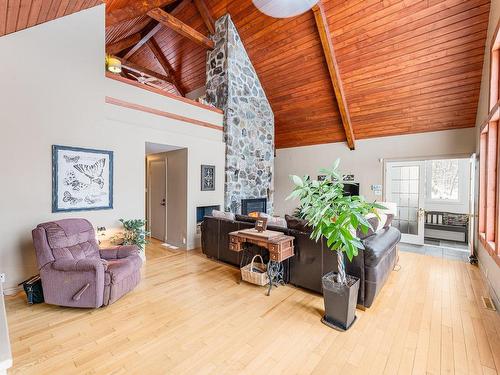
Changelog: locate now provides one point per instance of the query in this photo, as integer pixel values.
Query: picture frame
(261, 224)
(207, 177)
(82, 179)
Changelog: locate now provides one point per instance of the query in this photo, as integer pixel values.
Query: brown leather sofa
(312, 259)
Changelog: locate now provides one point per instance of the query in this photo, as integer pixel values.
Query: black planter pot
(340, 301)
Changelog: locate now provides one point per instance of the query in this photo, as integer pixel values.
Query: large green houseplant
(337, 218)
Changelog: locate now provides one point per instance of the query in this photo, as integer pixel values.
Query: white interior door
(158, 198)
(405, 186)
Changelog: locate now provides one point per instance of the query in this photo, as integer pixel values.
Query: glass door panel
(405, 186)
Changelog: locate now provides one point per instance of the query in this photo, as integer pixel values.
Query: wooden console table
(279, 245)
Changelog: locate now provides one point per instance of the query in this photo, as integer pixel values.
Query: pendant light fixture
(284, 8)
(113, 64)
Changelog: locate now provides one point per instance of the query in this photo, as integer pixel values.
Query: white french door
(405, 185)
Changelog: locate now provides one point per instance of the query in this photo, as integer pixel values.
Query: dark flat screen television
(351, 188)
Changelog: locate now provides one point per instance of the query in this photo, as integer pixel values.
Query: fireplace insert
(253, 205)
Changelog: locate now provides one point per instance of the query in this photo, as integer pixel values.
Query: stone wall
(233, 86)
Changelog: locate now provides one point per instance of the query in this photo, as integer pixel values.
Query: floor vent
(488, 303)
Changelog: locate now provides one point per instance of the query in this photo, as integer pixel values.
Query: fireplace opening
(253, 205)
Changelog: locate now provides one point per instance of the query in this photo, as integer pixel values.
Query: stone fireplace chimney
(233, 86)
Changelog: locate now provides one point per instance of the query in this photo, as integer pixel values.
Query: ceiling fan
(150, 81)
(284, 8)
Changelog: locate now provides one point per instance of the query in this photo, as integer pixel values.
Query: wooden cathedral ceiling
(407, 66)
(17, 15)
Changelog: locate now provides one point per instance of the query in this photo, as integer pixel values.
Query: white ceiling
(156, 148)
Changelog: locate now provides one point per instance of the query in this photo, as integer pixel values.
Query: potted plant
(134, 234)
(336, 218)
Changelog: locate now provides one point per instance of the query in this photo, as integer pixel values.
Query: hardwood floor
(190, 316)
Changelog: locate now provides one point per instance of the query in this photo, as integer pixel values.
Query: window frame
(489, 159)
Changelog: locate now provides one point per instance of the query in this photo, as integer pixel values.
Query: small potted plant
(336, 218)
(134, 234)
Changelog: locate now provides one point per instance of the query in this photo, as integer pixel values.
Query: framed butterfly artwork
(82, 179)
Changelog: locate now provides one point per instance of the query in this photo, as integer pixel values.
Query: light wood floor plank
(190, 316)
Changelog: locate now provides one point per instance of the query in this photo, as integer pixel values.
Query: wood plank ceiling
(407, 66)
(17, 15)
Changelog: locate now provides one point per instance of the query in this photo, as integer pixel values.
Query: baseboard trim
(493, 295)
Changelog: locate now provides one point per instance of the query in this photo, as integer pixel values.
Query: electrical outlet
(2, 277)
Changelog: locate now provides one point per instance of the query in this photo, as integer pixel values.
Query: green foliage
(332, 215)
(135, 233)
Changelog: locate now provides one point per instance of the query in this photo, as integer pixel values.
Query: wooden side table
(279, 245)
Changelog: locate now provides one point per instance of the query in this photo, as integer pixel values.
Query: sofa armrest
(119, 252)
(80, 265)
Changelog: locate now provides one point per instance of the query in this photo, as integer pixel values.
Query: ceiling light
(113, 65)
(284, 8)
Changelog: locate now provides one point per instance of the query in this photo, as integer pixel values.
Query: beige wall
(366, 162)
(490, 269)
(53, 89)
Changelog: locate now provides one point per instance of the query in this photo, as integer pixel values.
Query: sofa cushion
(120, 269)
(223, 215)
(275, 221)
(374, 221)
(388, 222)
(246, 219)
(298, 224)
(378, 245)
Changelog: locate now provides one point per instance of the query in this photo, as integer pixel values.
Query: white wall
(366, 161)
(53, 89)
(490, 269)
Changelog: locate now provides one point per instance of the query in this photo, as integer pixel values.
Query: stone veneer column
(233, 86)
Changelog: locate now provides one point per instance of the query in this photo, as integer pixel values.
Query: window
(445, 178)
(489, 199)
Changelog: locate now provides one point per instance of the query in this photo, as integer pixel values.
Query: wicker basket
(249, 273)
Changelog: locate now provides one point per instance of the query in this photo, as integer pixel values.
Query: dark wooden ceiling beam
(180, 27)
(205, 14)
(333, 69)
(162, 60)
(133, 9)
(129, 65)
(125, 43)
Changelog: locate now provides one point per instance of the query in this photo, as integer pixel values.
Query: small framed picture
(261, 224)
(207, 177)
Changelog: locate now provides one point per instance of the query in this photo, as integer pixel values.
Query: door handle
(421, 212)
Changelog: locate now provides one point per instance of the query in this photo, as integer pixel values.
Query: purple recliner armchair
(75, 272)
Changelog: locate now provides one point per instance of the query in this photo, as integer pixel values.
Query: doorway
(405, 186)
(435, 202)
(166, 194)
(158, 198)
